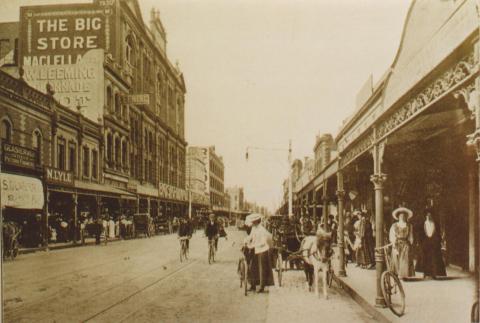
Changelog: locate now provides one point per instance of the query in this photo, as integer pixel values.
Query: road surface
(143, 281)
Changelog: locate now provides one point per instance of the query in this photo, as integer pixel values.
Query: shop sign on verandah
(21, 192)
(58, 176)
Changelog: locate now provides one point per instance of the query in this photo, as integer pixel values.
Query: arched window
(37, 143)
(109, 149)
(130, 50)
(109, 98)
(6, 130)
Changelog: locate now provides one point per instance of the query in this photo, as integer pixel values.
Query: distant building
(324, 151)
(236, 198)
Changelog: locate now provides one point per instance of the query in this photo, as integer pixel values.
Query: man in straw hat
(401, 236)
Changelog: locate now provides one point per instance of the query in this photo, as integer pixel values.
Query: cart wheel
(279, 268)
(393, 293)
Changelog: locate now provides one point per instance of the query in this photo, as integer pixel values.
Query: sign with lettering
(19, 156)
(143, 99)
(64, 46)
(21, 192)
(58, 176)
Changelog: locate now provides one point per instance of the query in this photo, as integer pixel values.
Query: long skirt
(261, 270)
(366, 253)
(403, 261)
(433, 264)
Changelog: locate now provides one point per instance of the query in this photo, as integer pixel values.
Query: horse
(10, 243)
(316, 252)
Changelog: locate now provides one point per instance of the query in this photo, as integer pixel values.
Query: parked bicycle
(392, 288)
(11, 231)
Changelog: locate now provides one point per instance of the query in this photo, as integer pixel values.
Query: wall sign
(19, 156)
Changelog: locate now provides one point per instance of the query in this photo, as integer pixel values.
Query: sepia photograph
(235, 161)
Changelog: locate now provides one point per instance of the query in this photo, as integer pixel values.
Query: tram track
(161, 279)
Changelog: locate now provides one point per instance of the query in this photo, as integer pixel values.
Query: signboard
(64, 46)
(19, 156)
(143, 99)
(59, 177)
(21, 192)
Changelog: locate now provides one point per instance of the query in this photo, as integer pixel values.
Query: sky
(261, 73)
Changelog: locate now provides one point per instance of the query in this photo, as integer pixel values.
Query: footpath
(438, 301)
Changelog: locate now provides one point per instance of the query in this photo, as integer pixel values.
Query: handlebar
(385, 246)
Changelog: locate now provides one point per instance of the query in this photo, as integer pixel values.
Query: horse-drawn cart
(143, 224)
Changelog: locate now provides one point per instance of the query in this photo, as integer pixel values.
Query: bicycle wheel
(474, 315)
(14, 251)
(329, 277)
(279, 268)
(393, 293)
(210, 254)
(181, 252)
(245, 277)
(185, 252)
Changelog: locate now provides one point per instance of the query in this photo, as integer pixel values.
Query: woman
(430, 241)
(367, 244)
(401, 236)
(260, 239)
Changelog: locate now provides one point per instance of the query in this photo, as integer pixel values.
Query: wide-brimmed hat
(404, 210)
(252, 218)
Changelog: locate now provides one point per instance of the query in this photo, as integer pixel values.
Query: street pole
(290, 184)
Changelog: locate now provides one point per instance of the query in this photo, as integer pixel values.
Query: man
(185, 230)
(211, 229)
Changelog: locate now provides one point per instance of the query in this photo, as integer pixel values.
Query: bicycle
(243, 269)
(183, 249)
(211, 251)
(392, 288)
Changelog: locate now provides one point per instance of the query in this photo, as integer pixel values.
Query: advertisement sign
(19, 156)
(21, 192)
(64, 46)
(59, 177)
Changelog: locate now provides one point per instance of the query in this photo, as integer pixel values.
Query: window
(72, 158)
(94, 164)
(86, 162)
(117, 152)
(61, 158)
(109, 99)
(109, 149)
(118, 105)
(37, 143)
(6, 131)
(124, 154)
(4, 50)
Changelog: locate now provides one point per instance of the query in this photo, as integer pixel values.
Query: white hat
(252, 218)
(396, 212)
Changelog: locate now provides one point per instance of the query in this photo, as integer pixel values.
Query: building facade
(112, 105)
(236, 198)
(216, 170)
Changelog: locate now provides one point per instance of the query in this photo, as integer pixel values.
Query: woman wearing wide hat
(401, 235)
(260, 240)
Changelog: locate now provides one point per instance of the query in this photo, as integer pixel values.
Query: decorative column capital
(340, 194)
(474, 140)
(378, 180)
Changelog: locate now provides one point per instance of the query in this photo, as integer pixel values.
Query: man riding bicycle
(185, 231)
(212, 230)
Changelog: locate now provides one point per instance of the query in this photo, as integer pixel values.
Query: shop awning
(104, 190)
(21, 192)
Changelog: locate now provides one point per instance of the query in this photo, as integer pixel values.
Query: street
(143, 281)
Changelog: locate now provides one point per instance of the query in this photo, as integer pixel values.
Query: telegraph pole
(290, 184)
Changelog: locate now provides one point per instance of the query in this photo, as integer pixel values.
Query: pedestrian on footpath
(401, 236)
(260, 239)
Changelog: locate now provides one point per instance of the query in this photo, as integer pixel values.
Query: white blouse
(258, 239)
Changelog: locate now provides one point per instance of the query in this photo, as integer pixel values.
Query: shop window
(72, 158)
(94, 164)
(6, 131)
(61, 154)
(86, 162)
